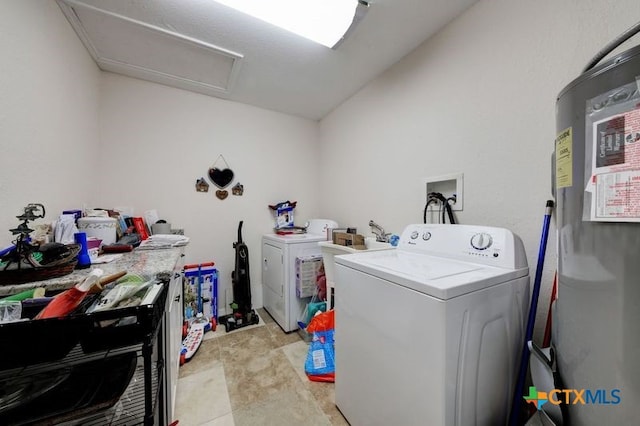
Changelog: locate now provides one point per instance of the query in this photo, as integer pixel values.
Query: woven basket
(68, 256)
(34, 271)
(20, 276)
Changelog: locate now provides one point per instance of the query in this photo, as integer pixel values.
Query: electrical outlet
(448, 185)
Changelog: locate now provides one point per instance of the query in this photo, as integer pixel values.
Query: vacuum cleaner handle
(239, 234)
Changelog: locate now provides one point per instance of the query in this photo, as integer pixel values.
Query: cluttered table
(142, 262)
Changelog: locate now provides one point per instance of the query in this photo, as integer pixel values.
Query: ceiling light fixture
(326, 21)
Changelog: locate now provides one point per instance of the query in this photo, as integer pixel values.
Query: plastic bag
(320, 363)
(10, 311)
(118, 294)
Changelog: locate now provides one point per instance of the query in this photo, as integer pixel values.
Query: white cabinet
(173, 336)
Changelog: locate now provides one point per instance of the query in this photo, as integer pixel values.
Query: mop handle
(538, 277)
(524, 360)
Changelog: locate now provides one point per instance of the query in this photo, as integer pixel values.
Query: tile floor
(253, 376)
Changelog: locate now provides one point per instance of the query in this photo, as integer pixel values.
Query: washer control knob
(481, 241)
(426, 236)
(414, 235)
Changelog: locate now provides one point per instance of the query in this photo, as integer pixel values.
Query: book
(123, 224)
(128, 221)
(141, 228)
(151, 217)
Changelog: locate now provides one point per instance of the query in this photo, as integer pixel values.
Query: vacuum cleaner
(242, 314)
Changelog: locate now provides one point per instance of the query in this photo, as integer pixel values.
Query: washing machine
(431, 333)
(279, 254)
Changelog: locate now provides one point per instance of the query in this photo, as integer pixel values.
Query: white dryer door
(272, 268)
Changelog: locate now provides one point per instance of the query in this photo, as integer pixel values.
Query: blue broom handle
(524, 359)
(538, 278)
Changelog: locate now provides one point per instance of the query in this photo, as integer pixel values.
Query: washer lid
(435, 276)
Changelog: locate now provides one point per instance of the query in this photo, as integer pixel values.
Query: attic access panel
(137, 49)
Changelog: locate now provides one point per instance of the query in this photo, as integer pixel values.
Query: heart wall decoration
(222, 194)
(219, 175)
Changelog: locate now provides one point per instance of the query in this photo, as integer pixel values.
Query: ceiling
(205, 47)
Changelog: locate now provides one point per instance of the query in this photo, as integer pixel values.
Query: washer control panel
(483, 244)
(426, 235)
(481, 241)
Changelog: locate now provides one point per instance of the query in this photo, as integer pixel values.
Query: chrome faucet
(378, 230)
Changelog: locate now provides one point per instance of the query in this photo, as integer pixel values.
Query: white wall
(478, 98)
(156, 141)
(48, 113)
(72, 136)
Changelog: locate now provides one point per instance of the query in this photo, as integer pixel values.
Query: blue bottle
(84, 260)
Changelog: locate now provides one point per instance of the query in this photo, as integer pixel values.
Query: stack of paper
(159, 241)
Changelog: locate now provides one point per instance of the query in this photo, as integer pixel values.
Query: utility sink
(329, 250)
(336, 249)
(372, 244)
(369, 242)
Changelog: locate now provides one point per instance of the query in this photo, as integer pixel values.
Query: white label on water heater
(564, 159)
(615, 178)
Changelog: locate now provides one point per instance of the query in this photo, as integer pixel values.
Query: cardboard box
(308, 270)
(334, 231)
(351, 240)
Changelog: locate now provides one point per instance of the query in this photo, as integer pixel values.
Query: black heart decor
(220, 178)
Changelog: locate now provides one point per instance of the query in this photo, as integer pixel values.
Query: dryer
(430, 333)
(279, 253)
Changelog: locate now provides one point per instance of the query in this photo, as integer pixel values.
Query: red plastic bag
(322, 322)
(320, 363)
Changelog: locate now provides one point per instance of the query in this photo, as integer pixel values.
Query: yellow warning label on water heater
(564, 159)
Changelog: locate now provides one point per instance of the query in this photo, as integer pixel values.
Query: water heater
(597, 183)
